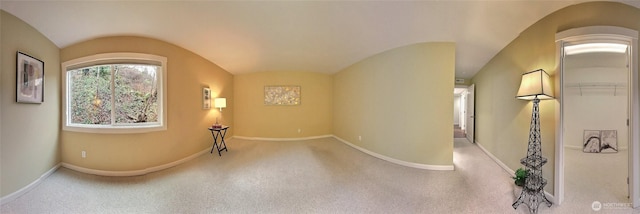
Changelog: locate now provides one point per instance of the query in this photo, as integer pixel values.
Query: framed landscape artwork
(29, 79)
(282, 95)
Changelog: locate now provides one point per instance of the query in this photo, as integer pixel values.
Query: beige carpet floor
(598, 177)
(314, 176)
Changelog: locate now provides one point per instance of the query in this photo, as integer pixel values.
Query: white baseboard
(29, 187)
(509, 170)
(282, 139)
(134, 172)
(396, 161)
(495, 159)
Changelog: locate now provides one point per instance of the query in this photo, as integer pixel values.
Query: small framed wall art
(206, 98)
(600, 141)
(591, 141)
(282, 95)
(29, 79)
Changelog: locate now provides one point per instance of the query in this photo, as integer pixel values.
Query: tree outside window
(103, 94)
(134, 91)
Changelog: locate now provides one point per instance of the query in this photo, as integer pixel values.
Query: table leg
(222, 143)
(215, 142)
(219, 134)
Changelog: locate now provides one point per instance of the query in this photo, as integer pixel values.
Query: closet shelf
(597, 85)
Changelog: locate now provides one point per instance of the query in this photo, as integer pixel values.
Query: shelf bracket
(580, 86)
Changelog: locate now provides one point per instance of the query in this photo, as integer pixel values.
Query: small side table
(218, 133)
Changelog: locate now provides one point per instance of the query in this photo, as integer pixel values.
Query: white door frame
(463, 107)
(601, 34)
(470, 124)
(463, 111)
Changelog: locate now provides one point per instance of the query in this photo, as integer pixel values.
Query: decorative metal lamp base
(533, 191)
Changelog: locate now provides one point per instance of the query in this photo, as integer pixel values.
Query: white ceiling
(314, 36)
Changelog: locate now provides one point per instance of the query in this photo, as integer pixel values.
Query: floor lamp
(535, 86)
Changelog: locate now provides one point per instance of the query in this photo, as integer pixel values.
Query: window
(115, 93)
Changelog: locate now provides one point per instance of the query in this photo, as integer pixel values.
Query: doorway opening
(598, 110)
(459, 112)
(463, 112)
(596, 138)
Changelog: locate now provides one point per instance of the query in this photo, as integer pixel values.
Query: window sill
(114, 129)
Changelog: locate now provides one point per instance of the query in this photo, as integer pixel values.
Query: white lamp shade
(535, 84)
(220, 102)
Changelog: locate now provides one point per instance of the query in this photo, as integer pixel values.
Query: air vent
(459, 80)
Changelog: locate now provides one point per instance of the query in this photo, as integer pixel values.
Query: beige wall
(255, 119)
(186, 132)
(28, 132)
(502, 122)
(400, 102)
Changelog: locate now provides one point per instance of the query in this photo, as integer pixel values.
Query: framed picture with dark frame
(29, 79)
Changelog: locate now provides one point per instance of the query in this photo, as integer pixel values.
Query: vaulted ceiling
(313, 36)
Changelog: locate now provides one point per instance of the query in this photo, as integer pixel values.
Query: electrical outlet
(359, 138)
(84, 154)
(299, 130)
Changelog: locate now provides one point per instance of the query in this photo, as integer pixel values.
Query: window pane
(90, 95)
(136, 93)
(115, 93)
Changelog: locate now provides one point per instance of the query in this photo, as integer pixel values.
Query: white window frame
(112, 58)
